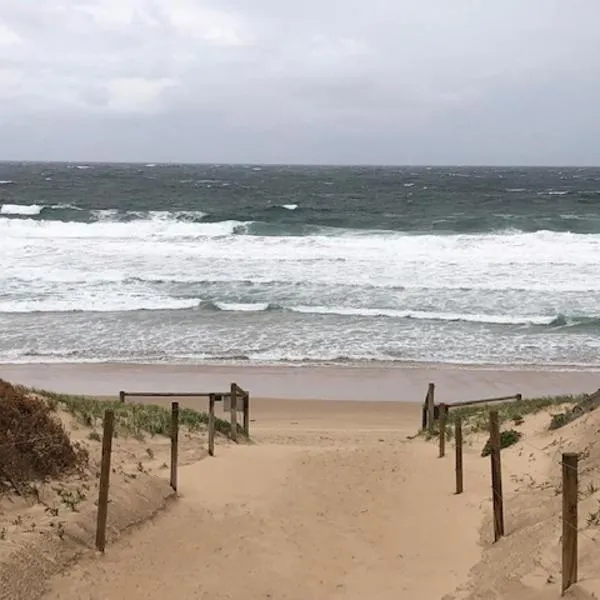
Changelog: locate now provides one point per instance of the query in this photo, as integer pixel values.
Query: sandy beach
(407, 383)
(325, 504)
(335, 499)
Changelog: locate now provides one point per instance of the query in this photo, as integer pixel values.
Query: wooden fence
(234, 401)
(431, 411)
(569, 464)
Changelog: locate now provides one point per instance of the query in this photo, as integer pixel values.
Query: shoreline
(406, 383)
(311, 364)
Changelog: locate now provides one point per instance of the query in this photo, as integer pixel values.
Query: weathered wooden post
(569, 519)
(498, 502)
(211, 425)
(174, 442)
(107, 436)
(443, 418)
(430, 407)
(459, 455)
(247, 414)
(122, 396)
(234, 412)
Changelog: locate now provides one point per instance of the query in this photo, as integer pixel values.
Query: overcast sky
(308, 81)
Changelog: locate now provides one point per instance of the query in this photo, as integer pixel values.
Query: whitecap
(425, 315)
(240, 307)
(21, 209)
(110, 303)
(289, 206)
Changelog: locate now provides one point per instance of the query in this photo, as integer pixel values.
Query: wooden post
(247, 415)
(122, 396)
(443, 416)
(459, 455)
(211, 425)
(430, 407)
(174, 442)
(234, 412)
(107, 436)
(424, 416)
(569, 519)
(498, 502)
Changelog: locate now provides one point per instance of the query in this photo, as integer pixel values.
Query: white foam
(100, 303)
(6, 181)
(157, 226)
(66, 206)
(289, 206)
(258, 307)
(425, 315)
(21, 209)
(180, 215)
(551, 269)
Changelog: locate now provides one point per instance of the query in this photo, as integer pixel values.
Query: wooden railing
(235, 400)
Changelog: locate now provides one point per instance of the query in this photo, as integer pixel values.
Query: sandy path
(353, 518)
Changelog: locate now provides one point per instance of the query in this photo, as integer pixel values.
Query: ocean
(299, 265)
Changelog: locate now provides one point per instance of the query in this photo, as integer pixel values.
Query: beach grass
(131, 418)
(511, 414)
(476, 418)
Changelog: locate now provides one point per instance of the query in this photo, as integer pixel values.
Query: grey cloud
(426, 81)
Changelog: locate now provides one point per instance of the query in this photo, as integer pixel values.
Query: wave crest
(21, 209)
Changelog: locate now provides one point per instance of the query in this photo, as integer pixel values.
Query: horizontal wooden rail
(484, 401)
(173, 394)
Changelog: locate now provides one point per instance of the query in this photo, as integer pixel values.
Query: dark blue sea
(270, 264)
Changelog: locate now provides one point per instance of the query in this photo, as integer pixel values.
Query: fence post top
(574, 455)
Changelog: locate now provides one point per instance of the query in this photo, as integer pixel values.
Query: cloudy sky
(308, 81)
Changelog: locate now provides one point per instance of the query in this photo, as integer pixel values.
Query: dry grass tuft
(33, 442)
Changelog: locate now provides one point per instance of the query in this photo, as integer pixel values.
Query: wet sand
(369, 383)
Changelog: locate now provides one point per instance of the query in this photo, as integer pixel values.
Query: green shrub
(507, 438)
(560, 420)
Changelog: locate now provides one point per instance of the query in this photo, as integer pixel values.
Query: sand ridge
(334, 500)
(351, 512)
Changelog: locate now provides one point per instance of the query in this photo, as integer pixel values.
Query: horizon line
(303, 164)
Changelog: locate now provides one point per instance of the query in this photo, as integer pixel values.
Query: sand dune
(335, 500)
(351, 513)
